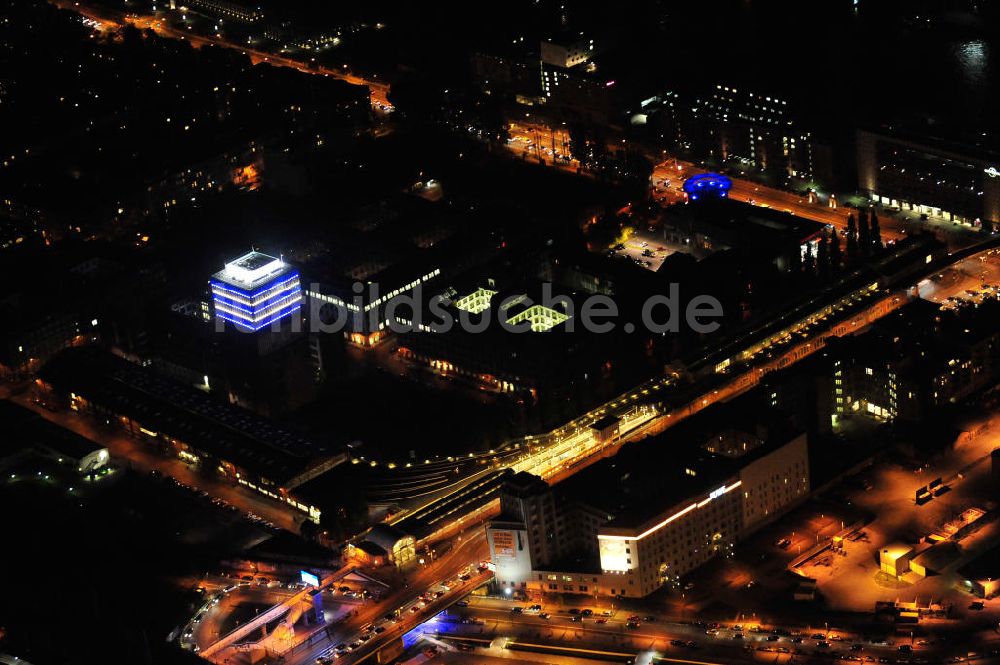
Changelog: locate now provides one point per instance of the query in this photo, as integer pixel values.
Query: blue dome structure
(707, 185)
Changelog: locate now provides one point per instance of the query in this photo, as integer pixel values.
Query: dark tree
(809, 262)
(876, 234)
(836, 257)
(588, 145)
(823, 256)
(493, 122)
(795, 263)
(852, 240)
(864, 233)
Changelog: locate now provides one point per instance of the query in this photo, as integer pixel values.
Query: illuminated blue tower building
(256, 290)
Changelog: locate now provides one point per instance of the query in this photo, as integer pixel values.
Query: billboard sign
(503, 544)
(308, 578)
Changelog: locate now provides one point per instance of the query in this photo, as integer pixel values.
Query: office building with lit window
(256, 291)
(940, 179)
(650, 514)
(742, 128)
(362, 306)
(562, 77)
(915, 362)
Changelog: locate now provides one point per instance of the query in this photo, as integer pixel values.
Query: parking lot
(645, 249)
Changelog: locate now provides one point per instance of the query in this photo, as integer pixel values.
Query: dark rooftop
(647, 477)
(184, 413)
(986, 566)
(753, 225)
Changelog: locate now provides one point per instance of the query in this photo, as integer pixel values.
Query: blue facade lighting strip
(257, 306)
(243, 297)
(254, 328)
(248, 295)
(252, 317)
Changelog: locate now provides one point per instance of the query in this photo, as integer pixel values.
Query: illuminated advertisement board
(613, 554)
(308, 578)
(503, 544)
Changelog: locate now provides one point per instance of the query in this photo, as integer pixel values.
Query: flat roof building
(256, 290)
(239, 445)
(650, 514)
(981, 576)
(714, 223)
(933, 177)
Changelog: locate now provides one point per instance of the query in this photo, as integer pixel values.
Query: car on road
(977, 605)
(587, 612)
(601, 621)
(543, 615)
(462, 603)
